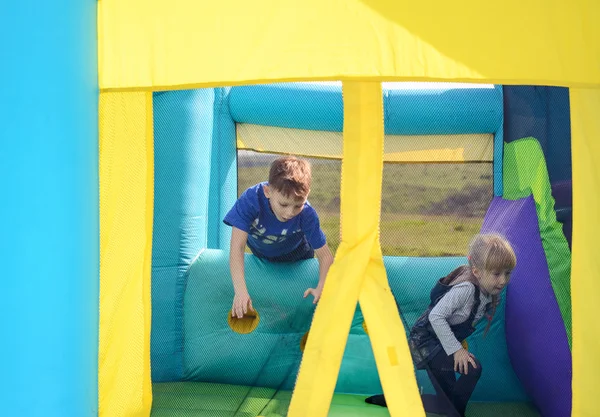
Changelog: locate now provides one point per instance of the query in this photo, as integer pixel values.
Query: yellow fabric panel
(388, 339)
(126, 215)
(585, 268)
(398, 148)
(357, 271)
(188, 43)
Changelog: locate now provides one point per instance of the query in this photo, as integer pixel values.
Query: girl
(458, 301)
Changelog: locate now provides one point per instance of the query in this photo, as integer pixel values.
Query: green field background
(426, 209)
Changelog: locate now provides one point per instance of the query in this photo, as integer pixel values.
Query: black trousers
(452, 394)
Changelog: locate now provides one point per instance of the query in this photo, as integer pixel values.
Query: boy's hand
(241, 305)
(316, 292)
(462, 358)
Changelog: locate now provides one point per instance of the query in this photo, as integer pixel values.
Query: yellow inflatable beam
(158, 44)
(585, 269)
(358, 273)
(475, 147)
(126, 207)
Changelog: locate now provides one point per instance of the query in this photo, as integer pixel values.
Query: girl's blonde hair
(491, 252)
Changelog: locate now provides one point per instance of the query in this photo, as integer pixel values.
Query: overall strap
(476, 303)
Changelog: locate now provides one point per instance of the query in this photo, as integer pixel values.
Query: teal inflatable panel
(195, 182)
(443, 111)
(270, 355)
(223, 181)
(183, 131)
(292, 105)
(407, 111)
(49, 215)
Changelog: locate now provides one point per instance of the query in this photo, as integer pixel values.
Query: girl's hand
(316, 292)
(462, 358)
(241, 305)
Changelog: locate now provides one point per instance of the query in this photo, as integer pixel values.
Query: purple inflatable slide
(535, 332)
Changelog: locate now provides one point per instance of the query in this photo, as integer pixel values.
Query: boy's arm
(325, 258)
(236, 265)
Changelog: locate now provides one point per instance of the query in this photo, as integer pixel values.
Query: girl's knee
(475, 370)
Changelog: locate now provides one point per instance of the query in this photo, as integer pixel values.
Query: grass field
(426, 209)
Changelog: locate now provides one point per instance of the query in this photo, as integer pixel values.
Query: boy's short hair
(291, 176)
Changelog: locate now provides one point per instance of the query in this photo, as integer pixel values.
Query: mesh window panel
(212, 145)
(433, 209)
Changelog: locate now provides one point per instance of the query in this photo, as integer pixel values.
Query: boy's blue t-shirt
(267, 235)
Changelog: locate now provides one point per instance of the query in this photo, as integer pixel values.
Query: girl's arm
(456, 298)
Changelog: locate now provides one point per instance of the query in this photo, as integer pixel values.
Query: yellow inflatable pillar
(585, 268)
(358, 271)
(126, 216)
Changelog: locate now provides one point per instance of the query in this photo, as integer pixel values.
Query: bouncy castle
(124, 130)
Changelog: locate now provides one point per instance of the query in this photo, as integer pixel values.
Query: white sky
(418, 85)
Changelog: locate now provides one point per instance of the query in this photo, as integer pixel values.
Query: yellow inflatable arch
(150, 45)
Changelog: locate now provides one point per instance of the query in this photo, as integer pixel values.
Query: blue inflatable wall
(49, 212)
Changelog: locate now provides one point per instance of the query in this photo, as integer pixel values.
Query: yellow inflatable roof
(157, 44)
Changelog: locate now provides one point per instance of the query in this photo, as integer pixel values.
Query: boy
(275, 220)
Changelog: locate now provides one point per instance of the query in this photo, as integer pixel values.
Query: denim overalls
(423, 341)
